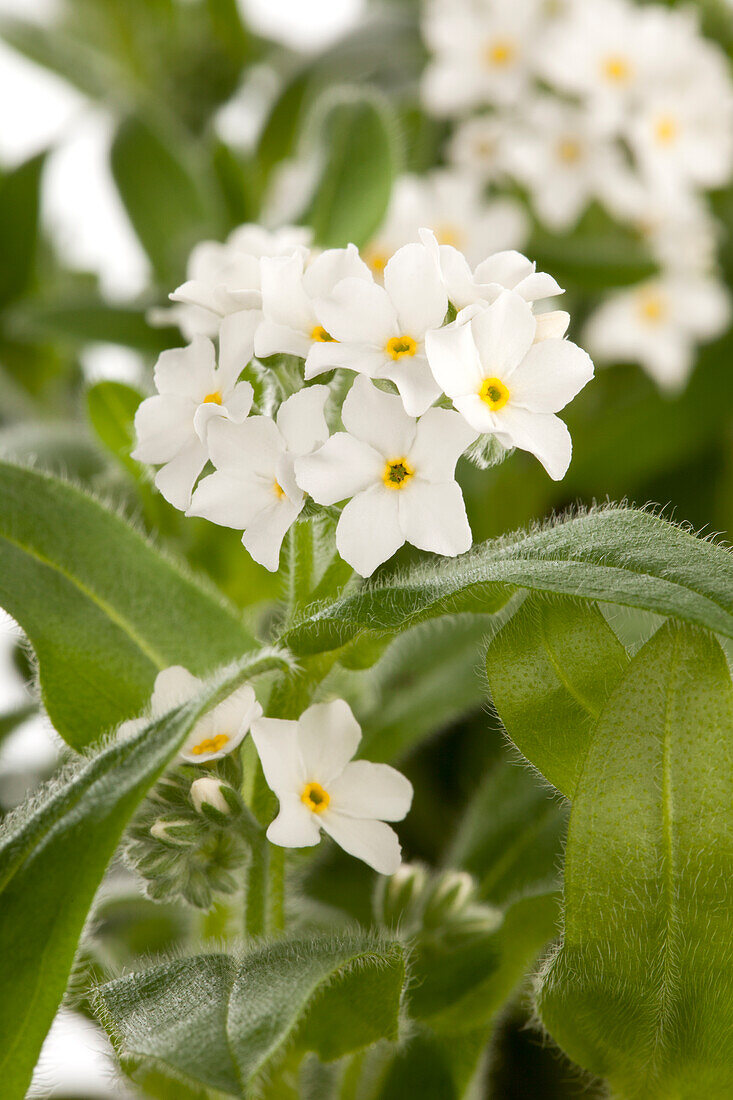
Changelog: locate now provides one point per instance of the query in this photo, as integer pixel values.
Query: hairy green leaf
(111, 407)
(641, 989)
(226, 1019)
(550, 670)
(619, 555)
(104, 611)
(53, 853)
(433, 1067)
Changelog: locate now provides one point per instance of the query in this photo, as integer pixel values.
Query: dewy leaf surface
(641, 990)
(618, 555)
(219, 1021)
(550, 670)
(104, 611)
(53, 853)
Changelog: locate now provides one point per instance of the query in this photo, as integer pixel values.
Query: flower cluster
(609, 101)
(447, 357)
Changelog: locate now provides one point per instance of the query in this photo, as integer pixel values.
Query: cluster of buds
(437, 908)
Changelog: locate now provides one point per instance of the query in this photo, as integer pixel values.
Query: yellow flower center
(449, 234)
(616, 69)
(213, 398)
(315, 798)
(569, 150)
(377, 259)
(652, 306)
(494, 393)
(210, 744)
(278, 490)
(400, 346)
(666, 129)
(320, 335)
(397, 473)
(500, 52)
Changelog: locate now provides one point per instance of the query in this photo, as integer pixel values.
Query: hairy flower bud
(209, 791)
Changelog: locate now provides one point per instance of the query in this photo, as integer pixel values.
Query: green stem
(276, 893)
(255, 909)
(300, 566)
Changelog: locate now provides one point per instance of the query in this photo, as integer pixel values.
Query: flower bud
(451, 893)
(170, 832)
(209, 791)
(397, 895)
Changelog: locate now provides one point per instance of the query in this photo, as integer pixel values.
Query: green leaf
(550, 670)
(351, 199)
(11, 719)
(433, 1067)
(169, 207)
(89, 319)
(641, 990)
(19, 204)
(53, 853)
(111, 407)
(103, 610)
(227, 1019)
(619, 555)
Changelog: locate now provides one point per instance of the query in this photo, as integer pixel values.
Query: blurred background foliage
(164, 69)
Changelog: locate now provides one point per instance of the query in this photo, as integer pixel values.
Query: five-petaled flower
(308, 764)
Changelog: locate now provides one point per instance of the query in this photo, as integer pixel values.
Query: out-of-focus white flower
(399, 474)
(450, 203)
(564, 159)
(479, 146)
(482, 52)
(289, 288)
(253, 488)
(225, 278)
(506, 384)
(308, 764)
(380, 331)
(659, 323)
(218, 733)
(171, 427)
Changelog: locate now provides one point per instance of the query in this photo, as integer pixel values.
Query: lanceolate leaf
(616, 554)
(53, 853)
(641, 990)
(19, 202)
(550, 670)
(104, 611)
(225, 1019)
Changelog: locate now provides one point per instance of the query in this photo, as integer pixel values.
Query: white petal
(295, 826)
(331, 267)
(505, 268)
(415, 383)
(371, 790)
(504, 333)
(239, 401)
(164, 426)
(378, 418)
(264, 535)
(231, 500)
(550, 375)
(371, 841)
(272, 339)
(476, 413)
(542, 434)
(328, 737)
(433, 517)
(173, 686)
(414, 283)
(301, 420)
(453, 358)
(369, 530)
(363, 358)
(538, 285)
(358, 312)
(188, 372)
(552, 325)
(276, 741)
(203, 416)
(441, 438)
(342, 467)
(252, 447)
(284, 300)
(177, 478)
(236, 346)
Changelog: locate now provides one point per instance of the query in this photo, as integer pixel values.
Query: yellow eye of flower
(397, 473)
(315, 798)
(616, 68)
(500, 52)
(569, 150)
(399, 346)
(377, 259)
(278, 490)
(448, 234)
(210, 744)
(213, 398)
(320, 335)
(652, 307)
(494, 393)
(666, 129)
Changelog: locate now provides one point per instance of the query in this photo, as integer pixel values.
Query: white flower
(225, 278)
(399, 474)
(289, 288)
(480, 146)
(451, 203)
(380, 331)
(506, 384)
(309, 767)
(171, 427)
(482, 52)
(658, 323)
(254, 488)
(219, 732)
